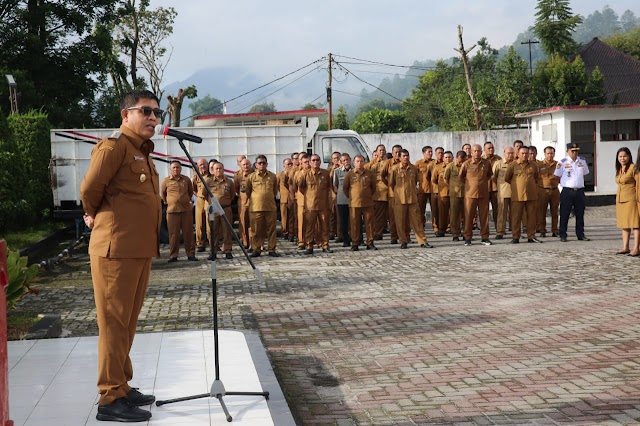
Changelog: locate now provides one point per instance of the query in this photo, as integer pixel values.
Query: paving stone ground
(539, 334)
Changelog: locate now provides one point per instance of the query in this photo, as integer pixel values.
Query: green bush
(30, 133)
(19, 277)
(16, 210)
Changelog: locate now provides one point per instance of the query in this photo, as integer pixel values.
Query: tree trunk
(467, 74)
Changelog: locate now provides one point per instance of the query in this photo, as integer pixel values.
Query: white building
(599, 130)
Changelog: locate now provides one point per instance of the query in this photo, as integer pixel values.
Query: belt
(573, 189)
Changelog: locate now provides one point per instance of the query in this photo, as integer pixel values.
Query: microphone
(167, 131)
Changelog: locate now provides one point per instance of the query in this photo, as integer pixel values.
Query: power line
(366, 82)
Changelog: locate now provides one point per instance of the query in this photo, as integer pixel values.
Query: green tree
(554, 26)
(628, 21)
(512, 88)
(382, 121)
(558, 82)
(55, 50)
(341, 121)
(598, 24)
(205, 106)
(264, 107)
(309, 107)
(627, 42)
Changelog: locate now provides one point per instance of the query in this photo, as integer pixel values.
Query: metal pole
(329, 101)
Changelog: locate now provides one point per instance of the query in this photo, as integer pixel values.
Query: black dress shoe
(563, 239)
(426, 245)
(291, 239)
(378, 238)
(172, 259)
(200, 249)
(228, 255)
(404, 246)
(212, 256)
(499, 237)
(346, 244)
(272, 254)
(192, 258)
(137, 398)
(584, 239)
(555, 234)
(456, 238)
(308, 251)
(354, 248)
(393, 242)
(543, 234)
(255, 254)
(327, 250)
(339, 240)
(533, 240)
(372, 247)
(122, 410)
(515, 241)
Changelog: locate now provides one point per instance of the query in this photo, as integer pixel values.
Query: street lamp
(13, 94)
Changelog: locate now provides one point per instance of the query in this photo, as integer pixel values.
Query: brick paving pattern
(509, 334)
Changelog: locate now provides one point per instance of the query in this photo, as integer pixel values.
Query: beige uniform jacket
(626, 185)
(198, 188)
(499, 170)
(493, 185)
(176, 193)
(223, 189)
(548, 180)
(452, 175)
(524, 179)
(283, 186)
(476, 175)
(316, 186)
(240, 184)
(382, 189)
(388, 166)
(121, 190)
(359, 187)
(425, 179)
(262, 188)
(437, 180)
(404, 181)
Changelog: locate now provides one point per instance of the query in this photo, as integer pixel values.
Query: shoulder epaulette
(115, 135)
(563, 160)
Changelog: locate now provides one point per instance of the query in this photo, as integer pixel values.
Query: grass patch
(19, 324)
(18, 240)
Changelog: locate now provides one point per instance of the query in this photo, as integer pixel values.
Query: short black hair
(175, 161)
(448, 152)
(134, 96)
(261, 157)
(487, 143)
(461, 154)
(396, 146)
(425, 148)
(404, 151)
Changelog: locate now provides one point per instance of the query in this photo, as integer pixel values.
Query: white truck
(224, 137)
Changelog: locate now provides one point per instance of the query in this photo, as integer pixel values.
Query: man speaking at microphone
(120, 197)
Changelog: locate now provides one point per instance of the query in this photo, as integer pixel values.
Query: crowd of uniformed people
(355, 202)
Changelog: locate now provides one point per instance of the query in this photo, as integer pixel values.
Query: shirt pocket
(140, 174)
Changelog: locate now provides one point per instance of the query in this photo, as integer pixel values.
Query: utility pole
(329, 103)
(530, 42)
(465, 62)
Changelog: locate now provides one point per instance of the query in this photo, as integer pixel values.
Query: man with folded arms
(523, 176)
(224, 190)
(359, 186)
(176, 192)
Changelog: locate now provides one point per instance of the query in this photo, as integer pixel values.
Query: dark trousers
(569, 199)
(343, 220)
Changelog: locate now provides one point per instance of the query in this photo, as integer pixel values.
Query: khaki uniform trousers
(175, 223)
(355, 221)
(221, 232)
(435, 213)
(301, 225)
(292, 220)
(284, 218)
(470, 207)
(244, 225)
(334, 219)
(263, 227)
(202, 222)
(518, 208)
(409, 214)
(381, 213)
(119, 287)
(443, 213)
(493, 199)
(393, 225)
(504, 213)
(456, 213)
(548, 197)
(317, 228)
(423, 200)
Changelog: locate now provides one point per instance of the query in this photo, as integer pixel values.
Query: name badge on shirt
(137, 158)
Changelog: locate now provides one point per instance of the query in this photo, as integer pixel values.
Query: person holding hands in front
(627, 217)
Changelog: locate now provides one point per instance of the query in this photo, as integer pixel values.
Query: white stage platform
(53, 381)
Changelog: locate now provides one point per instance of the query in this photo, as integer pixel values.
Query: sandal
(623, 252)
(636, 254)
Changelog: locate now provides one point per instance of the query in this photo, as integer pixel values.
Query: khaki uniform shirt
(425, 179)
(476, 176)
(389, 165)
(176, 193)
(240, 185)
(626, 185)
(121, 191)
(316, 186)
(382, 189)
(198, 188)
(359, 187)
(298, 175)
(262, 188)
(523, 178)
(437, 179)
(456, 185)
(547, 178)
(283, 185)
(493, 185)
(404, 181)
(499, 170)
(223, 189)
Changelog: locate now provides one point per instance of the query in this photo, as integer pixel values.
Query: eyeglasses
(146, 110)
(261, 162)
(315, 160)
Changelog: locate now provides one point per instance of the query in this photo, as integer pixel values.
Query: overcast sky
(272, 38)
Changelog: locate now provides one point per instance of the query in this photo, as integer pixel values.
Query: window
(344, 144)
(583, 131)
(619, 130)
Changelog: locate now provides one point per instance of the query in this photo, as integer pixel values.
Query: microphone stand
(217, 387)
